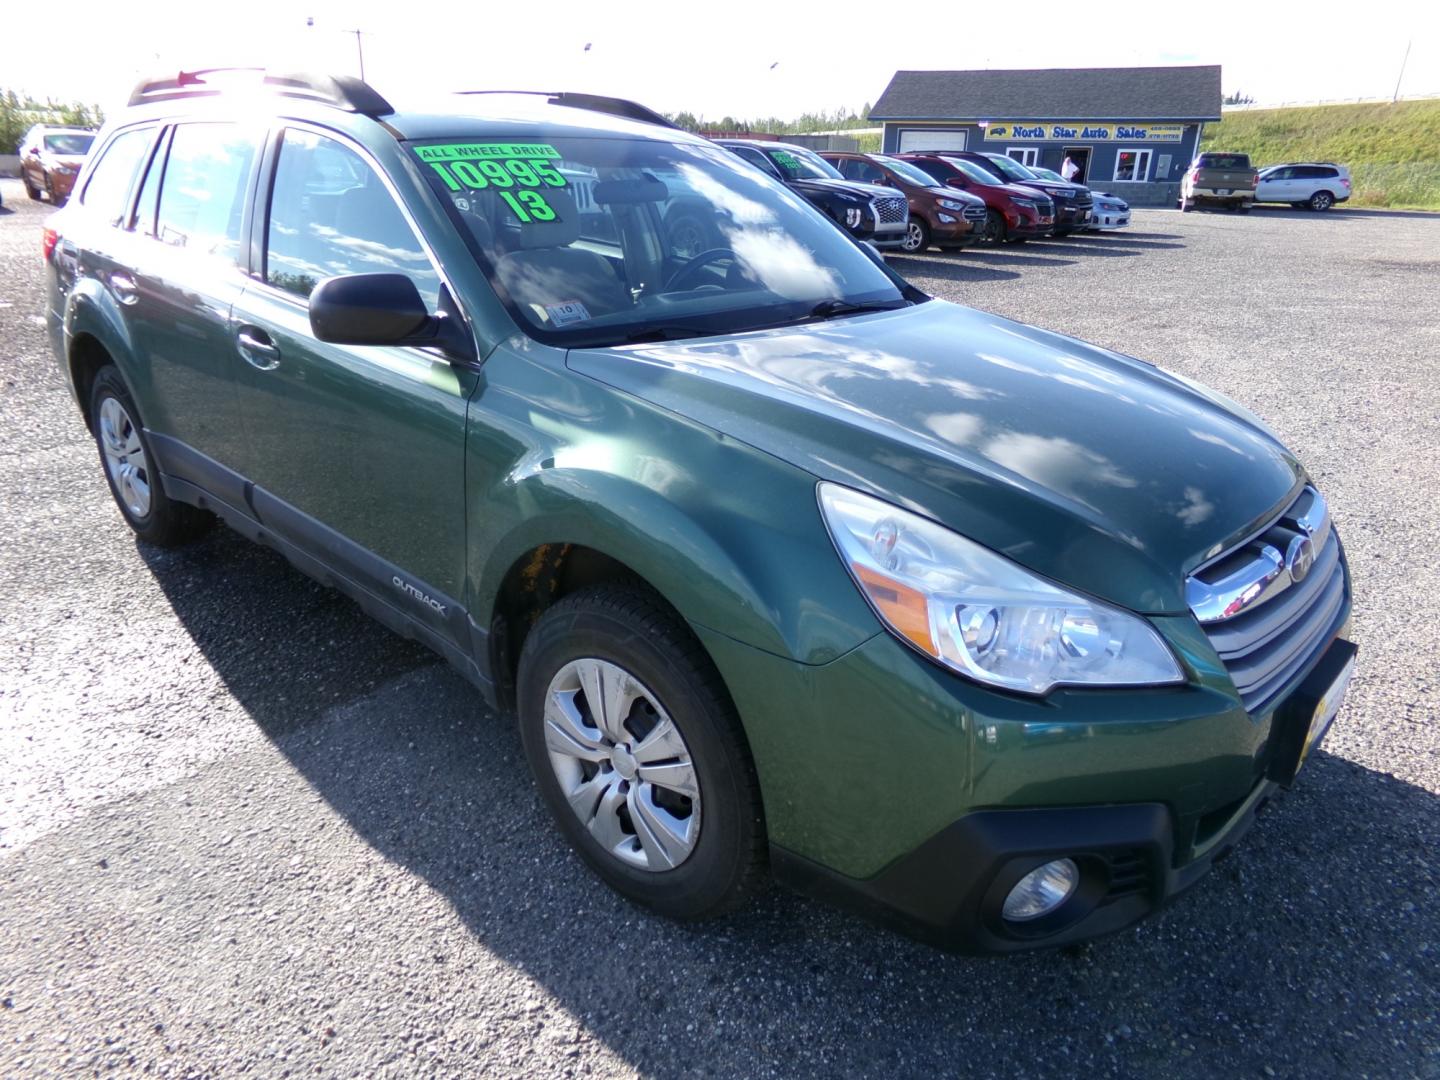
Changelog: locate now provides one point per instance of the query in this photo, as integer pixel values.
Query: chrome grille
(1269, 605)
(892, 211)
(974, 212)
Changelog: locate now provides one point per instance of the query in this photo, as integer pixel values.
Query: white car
(1313, 185)
(1106, 212)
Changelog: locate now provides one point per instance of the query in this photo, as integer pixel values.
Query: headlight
(1059, 193)
(981, 614)
(951, 204)
(1020, 200)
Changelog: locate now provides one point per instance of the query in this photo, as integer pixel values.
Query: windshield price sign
(519, 173)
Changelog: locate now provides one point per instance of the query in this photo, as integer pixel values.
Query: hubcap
(125, 457)
(1322, 202)
(622, 764)
(914, 236)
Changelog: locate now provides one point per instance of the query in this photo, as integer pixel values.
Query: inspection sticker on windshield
(567, 312)
(514, 170)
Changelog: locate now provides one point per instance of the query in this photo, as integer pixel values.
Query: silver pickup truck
(1223, 179)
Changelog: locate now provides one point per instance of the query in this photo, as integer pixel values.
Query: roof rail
(630, 110)
(342, 91)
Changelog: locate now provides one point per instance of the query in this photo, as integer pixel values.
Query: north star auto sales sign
(1081, 132)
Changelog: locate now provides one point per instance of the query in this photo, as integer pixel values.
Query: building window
(1132, 166)
(1025, 155)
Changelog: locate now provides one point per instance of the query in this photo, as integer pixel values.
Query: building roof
(1141, 93)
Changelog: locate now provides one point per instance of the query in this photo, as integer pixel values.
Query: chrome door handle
(257, 348)
(124, 288)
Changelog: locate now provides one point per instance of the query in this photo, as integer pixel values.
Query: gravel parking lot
(245, 830)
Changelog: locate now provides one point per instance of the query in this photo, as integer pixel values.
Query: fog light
(1042, 890)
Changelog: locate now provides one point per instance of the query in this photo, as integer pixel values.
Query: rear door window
(202, 196)
(107, 192)
(331, 214)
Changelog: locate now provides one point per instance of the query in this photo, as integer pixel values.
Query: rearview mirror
(383, 309)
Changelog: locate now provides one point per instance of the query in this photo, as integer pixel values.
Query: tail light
(49, 238)
(1345, 180)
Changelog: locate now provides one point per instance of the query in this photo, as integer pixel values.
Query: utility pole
(1403, 62)
(359, 50)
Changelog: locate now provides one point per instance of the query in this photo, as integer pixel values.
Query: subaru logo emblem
(1299, 557)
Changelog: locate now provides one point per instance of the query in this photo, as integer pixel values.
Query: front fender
(730, 536)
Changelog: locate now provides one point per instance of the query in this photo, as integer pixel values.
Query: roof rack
(342, 91)
(630, 110)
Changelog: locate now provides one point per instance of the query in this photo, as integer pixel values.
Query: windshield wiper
(830, 309)
(663, 333)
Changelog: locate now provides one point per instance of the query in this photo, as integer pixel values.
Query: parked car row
(1229, 180)
(947, 199)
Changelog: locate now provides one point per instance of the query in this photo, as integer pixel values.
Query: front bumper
(1031, 228)
(1109, 219)
(897, 787)
(957, 232)
(888, 236)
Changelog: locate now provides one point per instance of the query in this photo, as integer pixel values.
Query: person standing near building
(1069, 168)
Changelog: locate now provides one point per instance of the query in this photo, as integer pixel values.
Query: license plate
(1327, 709)
(1222, 191)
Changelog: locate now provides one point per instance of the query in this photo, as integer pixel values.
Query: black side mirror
(383, 309)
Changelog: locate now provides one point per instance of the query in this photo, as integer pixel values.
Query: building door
(1080, 155)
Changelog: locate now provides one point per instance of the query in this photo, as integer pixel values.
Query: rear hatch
(1232, 171)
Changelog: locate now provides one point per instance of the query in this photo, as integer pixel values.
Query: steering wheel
(688, 268)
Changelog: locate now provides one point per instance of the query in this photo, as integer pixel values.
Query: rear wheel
(30, 189)
(994, 227)
(130, 467)
(639, 755)
(917, 236)
(1321, 200)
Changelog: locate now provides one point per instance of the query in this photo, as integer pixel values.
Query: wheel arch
(95, 335)
(751, 578)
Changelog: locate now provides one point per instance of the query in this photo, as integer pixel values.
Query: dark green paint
(695, 464)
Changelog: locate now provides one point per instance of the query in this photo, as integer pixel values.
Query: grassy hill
(1393, 150)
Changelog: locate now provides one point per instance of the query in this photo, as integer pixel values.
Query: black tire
(629, 627)
(917, 236)
(31, 190)
(1186, 205)
(994, 227)
(1243, 208)
(165, 523)
(1321, 200)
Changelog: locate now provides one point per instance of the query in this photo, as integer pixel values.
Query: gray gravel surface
(243, 830)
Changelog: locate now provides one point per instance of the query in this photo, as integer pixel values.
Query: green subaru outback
(785, 567)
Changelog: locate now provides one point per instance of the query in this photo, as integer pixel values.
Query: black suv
(1073, 202)
(868, 212)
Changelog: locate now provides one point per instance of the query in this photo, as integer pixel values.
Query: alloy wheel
(622, 764)
(125, 458)
(914, 237)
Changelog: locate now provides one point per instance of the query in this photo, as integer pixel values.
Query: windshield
(598, 241)
(974, 172)
(1045, 174)
(1009, 168)
(797, 164)
(907, 171)
(1223, 161)
(71, 144)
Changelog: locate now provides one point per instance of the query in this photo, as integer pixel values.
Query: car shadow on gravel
(1314, 947)
(1120, 240)
(948, 267)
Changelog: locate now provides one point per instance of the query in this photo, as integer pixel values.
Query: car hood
(1086, 466)
(953, 193)
(844, 187)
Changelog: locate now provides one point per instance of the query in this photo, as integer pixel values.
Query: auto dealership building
(1132, 131)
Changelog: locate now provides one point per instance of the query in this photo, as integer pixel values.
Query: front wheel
(639, 754)
(994, 227)
(917, 237)
(130, 467)
(1322, 200)
(31, 190)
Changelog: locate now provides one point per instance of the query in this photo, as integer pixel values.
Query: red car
(50, 159)
(1012, 212)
